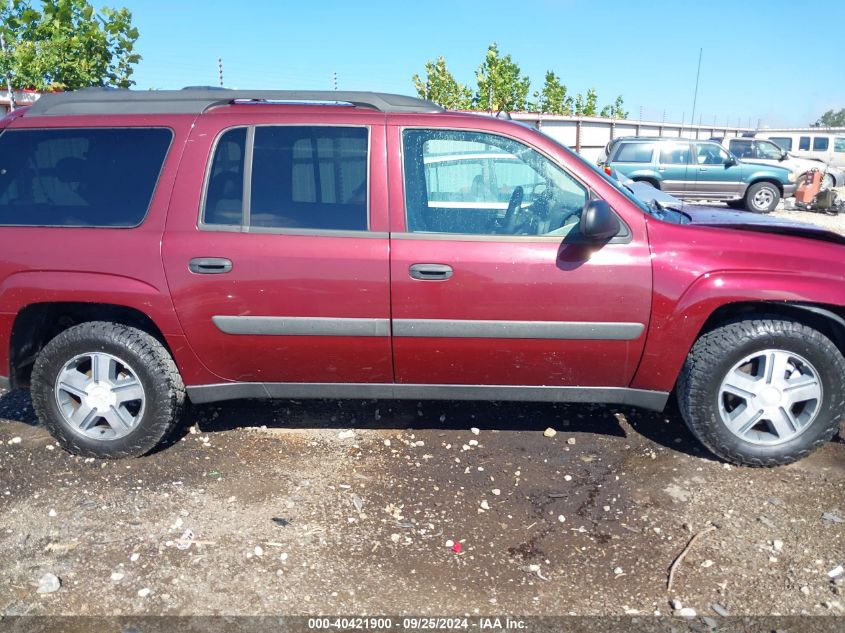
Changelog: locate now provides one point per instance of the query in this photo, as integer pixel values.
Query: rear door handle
(210, 265)
(430, 272)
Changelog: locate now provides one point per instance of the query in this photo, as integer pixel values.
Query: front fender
(676, 324)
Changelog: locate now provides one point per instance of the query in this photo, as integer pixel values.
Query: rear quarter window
(102, 177)
(839, 145)
(634, 153)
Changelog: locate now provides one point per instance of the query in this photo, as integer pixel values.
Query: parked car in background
(824, 146)
(699, 170)
(764, 151)
(205, 245)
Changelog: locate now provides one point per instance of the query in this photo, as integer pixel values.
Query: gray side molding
(427, 328)
(654, 400)
(559, 330)
(301, 326)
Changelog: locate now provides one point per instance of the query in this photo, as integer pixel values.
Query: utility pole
(12, 104)
(220, 70)
(697, 77)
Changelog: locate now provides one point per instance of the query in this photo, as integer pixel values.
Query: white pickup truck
(758, 150)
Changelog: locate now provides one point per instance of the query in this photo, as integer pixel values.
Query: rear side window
(79, 177)
(310, 178)
(784, 142)
(820, 143)
(741, 148)
(839, 144)
(303, 177)
(675, 154)
(804, 143)
(635, 153)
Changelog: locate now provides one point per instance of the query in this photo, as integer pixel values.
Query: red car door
(276, 246)
(489, 284)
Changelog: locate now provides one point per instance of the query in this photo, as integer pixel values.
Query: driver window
(768, 150)
(710, 154)
(474, 183)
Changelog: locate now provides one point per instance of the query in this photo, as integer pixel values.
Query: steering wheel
(509, 221)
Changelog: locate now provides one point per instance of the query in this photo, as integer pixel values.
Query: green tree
(501, 87)
(831, 119)
(591, 107)
(440, 86)
(553, 98)
(615, 110)
(66, 44)
(578, 105)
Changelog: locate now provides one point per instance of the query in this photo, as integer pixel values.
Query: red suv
(211, 244)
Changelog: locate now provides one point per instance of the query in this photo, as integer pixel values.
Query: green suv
(690, 169)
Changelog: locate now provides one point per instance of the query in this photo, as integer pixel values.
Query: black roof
(195, 100)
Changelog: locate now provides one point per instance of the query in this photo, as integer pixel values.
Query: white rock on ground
(49, 583)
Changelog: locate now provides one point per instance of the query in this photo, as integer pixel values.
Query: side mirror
(784, 156)
(598, 222)
(731, 161)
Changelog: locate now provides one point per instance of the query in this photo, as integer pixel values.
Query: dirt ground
(586, 522)
(352, 507)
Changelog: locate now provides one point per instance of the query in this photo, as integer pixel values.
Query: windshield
(625, 191)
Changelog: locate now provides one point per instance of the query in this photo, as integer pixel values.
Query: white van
(829, 147)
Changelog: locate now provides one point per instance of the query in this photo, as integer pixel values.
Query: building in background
(22, 98)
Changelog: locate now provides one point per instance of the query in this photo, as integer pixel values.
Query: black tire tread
(710, 349)
(749, 194)
(150, 352)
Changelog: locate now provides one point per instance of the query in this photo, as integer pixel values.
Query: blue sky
(758, 63)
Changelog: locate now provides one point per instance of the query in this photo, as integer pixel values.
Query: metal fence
(589, 135)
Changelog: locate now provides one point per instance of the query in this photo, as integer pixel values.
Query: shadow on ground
(666, 428)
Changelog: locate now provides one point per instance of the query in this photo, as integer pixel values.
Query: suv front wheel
(763, 392)
(762, 197)
(107, 390)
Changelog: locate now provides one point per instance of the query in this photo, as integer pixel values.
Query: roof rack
(195, 100)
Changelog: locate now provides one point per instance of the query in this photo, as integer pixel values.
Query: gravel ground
(352, 507)
(831, 222)
(364, 507)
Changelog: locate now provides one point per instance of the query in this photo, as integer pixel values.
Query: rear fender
(26, 288)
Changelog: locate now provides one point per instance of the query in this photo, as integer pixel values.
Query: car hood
(703, 215)
(743, 220)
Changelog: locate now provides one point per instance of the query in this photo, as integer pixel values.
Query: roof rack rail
(196, 100)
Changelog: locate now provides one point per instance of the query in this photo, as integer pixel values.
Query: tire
(762, 197)
(129, 363)
(708, 405)
(828, 182)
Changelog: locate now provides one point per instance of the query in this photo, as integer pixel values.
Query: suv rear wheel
(763, 392)
(762, 197)
(107, 390)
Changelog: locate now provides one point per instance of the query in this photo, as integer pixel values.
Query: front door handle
(430, 272)
(210, 265)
